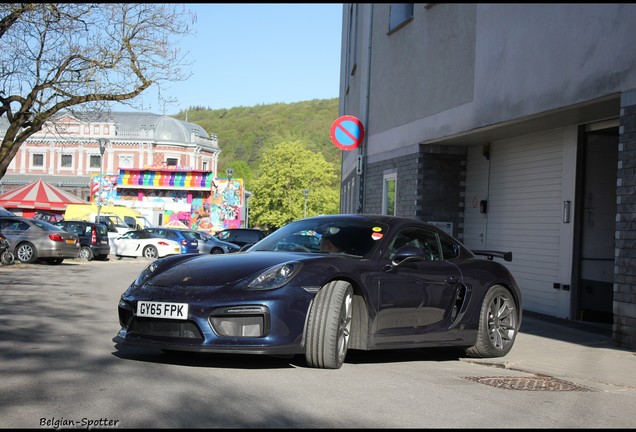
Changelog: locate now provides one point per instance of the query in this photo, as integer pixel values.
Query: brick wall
(624, 328)
(430, 185)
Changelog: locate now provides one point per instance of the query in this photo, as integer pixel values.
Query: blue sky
(253, 54)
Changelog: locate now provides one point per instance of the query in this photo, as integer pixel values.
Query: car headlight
(275, 277)
(147, 272)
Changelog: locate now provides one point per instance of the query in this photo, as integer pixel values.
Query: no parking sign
(347, 132)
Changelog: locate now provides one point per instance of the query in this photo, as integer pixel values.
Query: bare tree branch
(80, 57)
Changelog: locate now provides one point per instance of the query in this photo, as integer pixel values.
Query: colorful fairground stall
(177, 196)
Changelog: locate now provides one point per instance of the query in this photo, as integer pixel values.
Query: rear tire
(498, 324)
(86, 253)
(150, 252)
(26, 252)
(329, 326)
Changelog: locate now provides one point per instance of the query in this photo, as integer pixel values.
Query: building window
(67, 161)
(38, 160)
(389, 193)
(95, 161)
(205, 166)
(400, 14)
(125, 161)
(172, 161)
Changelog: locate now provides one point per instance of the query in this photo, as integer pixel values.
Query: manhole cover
(529, 383)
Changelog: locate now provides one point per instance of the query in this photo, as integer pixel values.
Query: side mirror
(246, 247)
(410, 253)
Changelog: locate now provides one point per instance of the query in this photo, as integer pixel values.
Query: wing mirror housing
(408, 253)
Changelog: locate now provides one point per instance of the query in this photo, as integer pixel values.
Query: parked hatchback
(189, 243)
(93, 238)
(32, 239)
(241, 236)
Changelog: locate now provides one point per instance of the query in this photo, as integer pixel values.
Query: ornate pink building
(66, 153)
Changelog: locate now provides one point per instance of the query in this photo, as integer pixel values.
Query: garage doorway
(596, 217)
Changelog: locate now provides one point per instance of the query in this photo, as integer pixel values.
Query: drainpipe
(362, 150)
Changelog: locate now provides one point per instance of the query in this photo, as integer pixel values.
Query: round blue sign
(347, 132)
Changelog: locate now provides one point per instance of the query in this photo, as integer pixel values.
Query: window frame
(386, 180)
(400, 14)
(33, 164)
(66, 165)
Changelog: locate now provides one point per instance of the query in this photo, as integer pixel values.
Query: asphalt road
(60, 368)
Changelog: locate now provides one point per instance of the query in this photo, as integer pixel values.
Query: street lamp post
(248, 194)
(102, 147)
(306, 194)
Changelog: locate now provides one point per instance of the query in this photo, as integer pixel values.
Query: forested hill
(242, 132)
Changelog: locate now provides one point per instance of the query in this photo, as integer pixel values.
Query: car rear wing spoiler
(507, 256)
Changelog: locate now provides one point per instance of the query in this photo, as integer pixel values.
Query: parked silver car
(32, 239)
(208, 244)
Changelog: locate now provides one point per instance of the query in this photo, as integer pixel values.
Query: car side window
(22, 226)
(427, 241)
(449, 248)
(74, 228)
(130, 221)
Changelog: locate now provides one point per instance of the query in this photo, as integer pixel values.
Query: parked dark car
(47, 216)
(209, 244)
(189, 243)
(93, 238)
(5, 212)
(241, 236)
(395, 283)
(32, 239)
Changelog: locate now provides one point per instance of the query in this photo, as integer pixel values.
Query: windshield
(353, 237)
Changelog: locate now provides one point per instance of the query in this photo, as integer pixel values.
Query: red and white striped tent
(38, 196)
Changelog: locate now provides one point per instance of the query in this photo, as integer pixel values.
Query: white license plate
(162, 310)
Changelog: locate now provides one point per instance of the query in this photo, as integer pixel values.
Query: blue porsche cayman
(322, 285)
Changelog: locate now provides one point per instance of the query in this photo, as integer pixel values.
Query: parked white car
(139, 243)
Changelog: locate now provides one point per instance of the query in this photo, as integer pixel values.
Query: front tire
(150, 252)
(216, 251)
(329, 326)
(26, 252)
(498, 324)
(7, 258)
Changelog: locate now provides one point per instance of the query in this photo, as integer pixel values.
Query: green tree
(241, 170)
(59, 57)
(277, 192)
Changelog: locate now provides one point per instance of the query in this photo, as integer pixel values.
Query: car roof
(166, 229)
(79, 222)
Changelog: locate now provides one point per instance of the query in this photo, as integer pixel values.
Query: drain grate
(530, 383)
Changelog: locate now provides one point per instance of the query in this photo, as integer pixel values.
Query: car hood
(222, 270)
